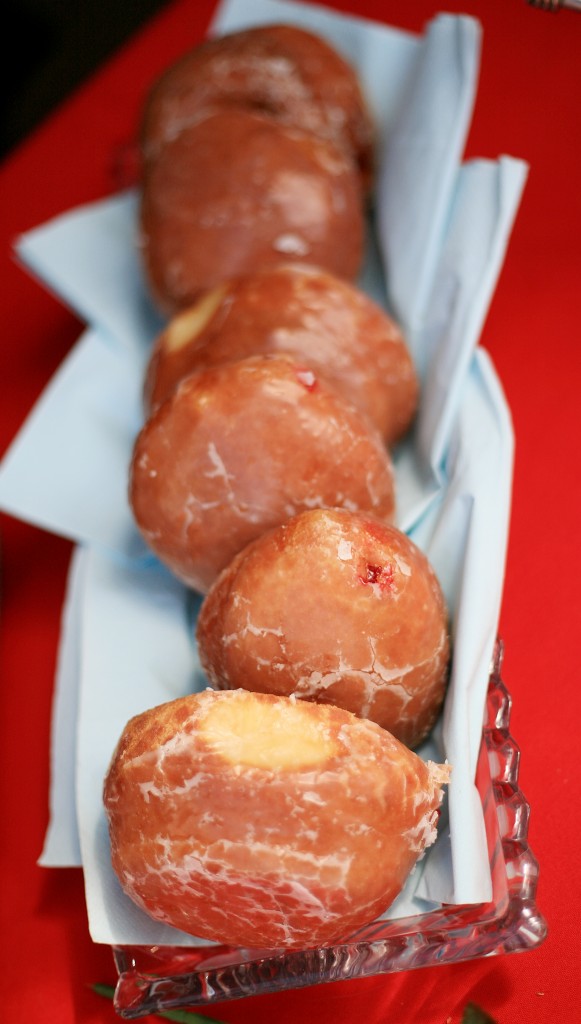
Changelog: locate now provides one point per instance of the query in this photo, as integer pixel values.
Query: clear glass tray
(159, 978)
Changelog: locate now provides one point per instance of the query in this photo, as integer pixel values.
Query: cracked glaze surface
(334, 607)
(241, 447)
(294, 845)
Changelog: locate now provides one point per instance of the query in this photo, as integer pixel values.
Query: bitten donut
(328, 323)
(240, 447)
(236, 192)
(284, 71)
(334, 607)
(258, 821)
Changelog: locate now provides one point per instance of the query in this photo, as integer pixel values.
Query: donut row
(283, 807)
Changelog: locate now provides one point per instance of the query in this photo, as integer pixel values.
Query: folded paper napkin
(440, 232)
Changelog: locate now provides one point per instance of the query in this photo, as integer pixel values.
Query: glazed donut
(236, 192)
(258, 821)
(283, 71)
(336, 607)
(328, 323)
(240, 447)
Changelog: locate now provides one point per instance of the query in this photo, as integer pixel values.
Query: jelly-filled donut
(336, 607)
(236, 192)
(239, 448)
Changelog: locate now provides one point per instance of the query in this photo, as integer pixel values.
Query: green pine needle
(104, 990)
(179, 1016)
(473, 1014)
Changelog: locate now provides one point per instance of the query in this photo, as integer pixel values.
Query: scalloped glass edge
(160, 978)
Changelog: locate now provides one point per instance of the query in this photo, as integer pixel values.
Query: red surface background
(528, 106)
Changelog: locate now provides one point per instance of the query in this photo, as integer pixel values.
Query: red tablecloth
(528, 106)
